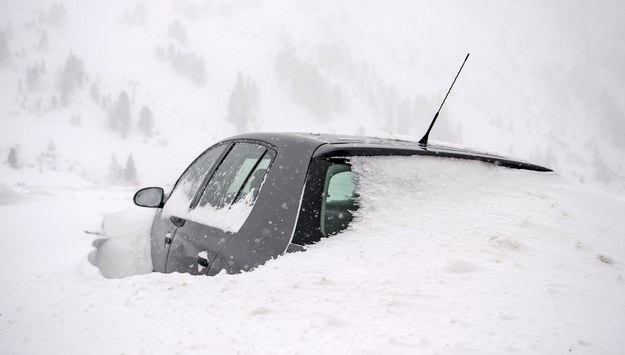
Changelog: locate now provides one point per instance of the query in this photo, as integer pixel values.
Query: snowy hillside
(86, 85)
(499, 261)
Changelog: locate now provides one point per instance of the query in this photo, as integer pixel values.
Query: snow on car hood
(444, 256)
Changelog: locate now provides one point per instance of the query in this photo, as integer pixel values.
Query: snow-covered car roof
(333, 145)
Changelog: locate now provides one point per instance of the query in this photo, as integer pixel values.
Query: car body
(253, 197)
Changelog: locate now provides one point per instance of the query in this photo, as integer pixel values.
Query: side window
(239, 176)
(256, 179)
(191, 180)
(328, 202)
(338, 200)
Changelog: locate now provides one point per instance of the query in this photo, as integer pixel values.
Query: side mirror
(152, 197)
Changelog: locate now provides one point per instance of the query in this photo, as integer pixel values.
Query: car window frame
(222, 157)
(266, 152)
(209, 173)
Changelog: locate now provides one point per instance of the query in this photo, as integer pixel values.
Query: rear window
(329, 201)
(338, 199)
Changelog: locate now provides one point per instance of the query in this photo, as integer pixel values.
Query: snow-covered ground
(445, 256)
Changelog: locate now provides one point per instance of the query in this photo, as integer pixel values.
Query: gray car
(253, 197)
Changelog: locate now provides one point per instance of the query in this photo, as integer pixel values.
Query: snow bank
(124, 249)
(8, 196)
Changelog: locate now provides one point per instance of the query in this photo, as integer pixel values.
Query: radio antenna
(424, 140)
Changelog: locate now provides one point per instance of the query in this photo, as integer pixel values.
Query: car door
(219, 211)
(167, 220)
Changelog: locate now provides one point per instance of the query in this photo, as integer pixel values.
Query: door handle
(202, 260)
(168, 239)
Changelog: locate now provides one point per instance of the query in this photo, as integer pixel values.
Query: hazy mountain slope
(543, 82)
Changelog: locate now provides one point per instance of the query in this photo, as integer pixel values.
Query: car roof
(339, 145)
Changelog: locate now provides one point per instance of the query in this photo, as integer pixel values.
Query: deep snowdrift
(444, 256)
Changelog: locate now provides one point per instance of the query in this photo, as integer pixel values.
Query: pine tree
(71, 78)
(57, 15)
(43, 41)
(120, 117)
(187, 64)
(138, 15)
(48, 160)
(237, 108)
(13, 159)
(243, 102)
(75, 120)
(146, 121)
(54, 103)
(33, 78)
(130, 171)
(52, 156)
(115, 170)
(95, 92)
(337, 103)
(5, 53)
(178, 32)
(198, 71)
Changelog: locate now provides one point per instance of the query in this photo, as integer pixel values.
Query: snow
(8, 196)
(228, 219)
(444, 256)
(124, 249)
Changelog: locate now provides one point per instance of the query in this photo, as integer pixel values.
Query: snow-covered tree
(160, 53)
(146, 121)
(188, 64)
(5, 52)
(13, 159)
(198, 71)
(56, 16)
(307, 85)
(75, 120)
(137, 16)
(71, 78)
(178, 32)
(120, 118)
(243, 102)
(94, 92)
(33, 78)
(42, 45)
(130, 171)
(115, 170)
(49, 159)
(54, 103)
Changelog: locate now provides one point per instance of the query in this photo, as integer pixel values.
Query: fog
(127, 93)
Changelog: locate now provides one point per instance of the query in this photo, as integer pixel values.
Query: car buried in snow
(253, 197)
